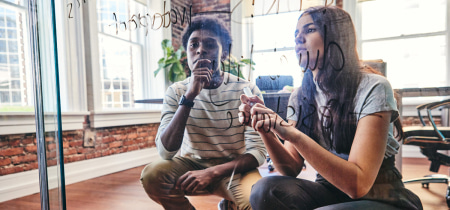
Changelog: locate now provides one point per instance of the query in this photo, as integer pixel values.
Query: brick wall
(19, 152)
(177, 29)
(198, 6)
(415, 121)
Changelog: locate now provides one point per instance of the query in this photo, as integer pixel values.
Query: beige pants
(159, 178)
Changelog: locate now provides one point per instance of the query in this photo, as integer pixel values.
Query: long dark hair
(338, 77)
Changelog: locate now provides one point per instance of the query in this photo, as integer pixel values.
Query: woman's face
(308, 39)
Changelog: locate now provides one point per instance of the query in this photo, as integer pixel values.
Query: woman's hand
(265, 120)
(245, 107)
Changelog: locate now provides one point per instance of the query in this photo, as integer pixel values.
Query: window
(15, 84)
(121, 45)
(410, 36)
(272, 25)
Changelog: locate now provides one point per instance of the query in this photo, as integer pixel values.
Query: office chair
(430, 139)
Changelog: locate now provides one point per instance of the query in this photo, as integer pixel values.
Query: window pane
(116, 85)
(14, 59)
(4, 83)
(2, 21)
(125, 85)
(12, 34)
(402, 17)
(125, 96)
(106, 85)
(15, 73)
(4, 97)
(16, 98)
(3, 59)
(279, 35)
(15, 84)
(277, 63)
(12, 46)
(11, 19)
(2, 46)
(409, 67)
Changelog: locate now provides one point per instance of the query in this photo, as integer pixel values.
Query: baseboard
(26, 183)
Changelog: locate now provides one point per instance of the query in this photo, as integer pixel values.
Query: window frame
(80, 78)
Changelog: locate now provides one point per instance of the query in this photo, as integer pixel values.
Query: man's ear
(224, 55)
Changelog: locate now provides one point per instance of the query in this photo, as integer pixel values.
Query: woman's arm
(285, 157)
(354, 177)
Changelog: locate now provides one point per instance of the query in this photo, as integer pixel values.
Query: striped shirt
(213, 129)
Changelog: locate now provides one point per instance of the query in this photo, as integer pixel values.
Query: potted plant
(172, 62)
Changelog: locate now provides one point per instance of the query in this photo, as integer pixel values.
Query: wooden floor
(123, 191)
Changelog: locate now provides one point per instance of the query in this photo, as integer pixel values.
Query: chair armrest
(434, 105)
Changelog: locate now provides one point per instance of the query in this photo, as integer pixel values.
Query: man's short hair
(212, 24)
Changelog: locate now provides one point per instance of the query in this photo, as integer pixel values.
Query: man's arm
(172, 136)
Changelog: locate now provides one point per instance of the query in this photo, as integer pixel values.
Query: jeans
(282, 192)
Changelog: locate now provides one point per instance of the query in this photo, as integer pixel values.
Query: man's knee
(155, 174)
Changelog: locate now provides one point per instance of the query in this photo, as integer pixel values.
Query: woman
(341, 121)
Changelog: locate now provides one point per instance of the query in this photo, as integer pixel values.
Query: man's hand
(193, 181)
(200, 78)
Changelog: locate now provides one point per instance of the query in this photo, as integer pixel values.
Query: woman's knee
(264, 190)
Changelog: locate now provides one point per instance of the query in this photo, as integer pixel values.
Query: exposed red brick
(14, 143)
(143, 134)
(51, 154)
(77, 143)
(52, 162)
(5, 162)
(24, 159)
(132, 147)
(7, 170)
(3, 143)
(11, 151)
(106, 152)
(116, 144)
(78, 157)
(31, 148)
(108, 139)
(70, 151)
(132, 135)
(49, 139)
(51, 147)
(29, 140)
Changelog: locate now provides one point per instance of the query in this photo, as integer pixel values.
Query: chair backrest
(430, 138)
(274, 83)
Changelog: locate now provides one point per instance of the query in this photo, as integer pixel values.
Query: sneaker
(227, 205)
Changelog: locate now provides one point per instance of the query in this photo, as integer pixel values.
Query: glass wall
(74, 73)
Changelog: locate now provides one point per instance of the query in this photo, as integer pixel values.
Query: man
(199, 120)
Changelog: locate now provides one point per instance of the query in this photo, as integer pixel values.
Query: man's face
(204, 44)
